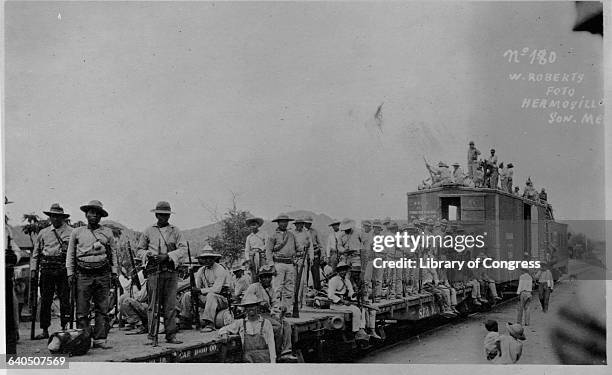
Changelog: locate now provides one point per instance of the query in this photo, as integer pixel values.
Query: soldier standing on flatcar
(315, 268)
(280, 252)
(162, 248)
(373, 275)
(255, 246)
(91, 262)
(395, 274)
(304, 244)
(52, 242)
(331, 250)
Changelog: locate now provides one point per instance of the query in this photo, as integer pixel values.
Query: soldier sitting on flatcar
(430, 284)
(486, 281)
(445, 286)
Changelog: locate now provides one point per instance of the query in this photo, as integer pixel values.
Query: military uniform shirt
(255, 241)
(212, 280)
(81, 247)
(172, 243)
(338, 288)
(282, 244)
(47, 241)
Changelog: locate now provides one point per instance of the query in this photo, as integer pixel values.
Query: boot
(43, 335)
(373, 334)
(361, 335)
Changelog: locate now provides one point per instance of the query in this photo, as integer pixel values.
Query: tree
(34, 225)
(234, 231)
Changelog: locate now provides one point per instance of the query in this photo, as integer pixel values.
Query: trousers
(54, 281)
(357, 320)
(373, 280)
(282, 333)
(167, 297)
(544, 294)
(211, 303)
(133, 311)
(96, 288)
(284, 283)
(523, 307)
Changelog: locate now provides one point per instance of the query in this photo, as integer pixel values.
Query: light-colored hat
(377, 223)
(250, 299)
(208, 252)
(456, 164)
(299, 219)
(308, 219)
(347, 224)
(56, 210)
(258, 220)
(342, 264)
(94, 205)
(162, 207)
(334, 222)
(366, 222)
(282, 217)
(516, 331)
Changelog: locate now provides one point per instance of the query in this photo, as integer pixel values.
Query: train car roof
(445, 188)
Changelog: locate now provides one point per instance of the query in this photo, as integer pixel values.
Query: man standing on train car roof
(510, 176)
(281, 252)
(255, 246)
(91, 262)
(472, 159)
(492, 161)
(162, 248)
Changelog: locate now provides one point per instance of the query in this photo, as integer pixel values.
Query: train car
(514, 228)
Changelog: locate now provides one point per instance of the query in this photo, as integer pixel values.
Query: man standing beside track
(162, 249)
(524, 291)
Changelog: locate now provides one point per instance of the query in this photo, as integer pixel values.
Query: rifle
(296, 308)
(157, 303)
(134, 277)
(307, 280)
(194, 295)
(34, 291)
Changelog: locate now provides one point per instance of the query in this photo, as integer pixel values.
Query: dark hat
(342, 265)
(300, 219)
(94, 205)
(347, 224)
(492, 150)
(377, 223)
(442, 165)
(258, 220)
(267, 269)
(56, 210)
(510, 165)
(455, 164)
(282, 217)
(471, 142)
(162, 208)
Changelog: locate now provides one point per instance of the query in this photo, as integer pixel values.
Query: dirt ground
(462, 342)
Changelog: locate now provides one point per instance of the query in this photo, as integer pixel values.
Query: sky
(133, 103)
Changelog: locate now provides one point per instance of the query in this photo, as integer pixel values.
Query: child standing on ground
(491, 340)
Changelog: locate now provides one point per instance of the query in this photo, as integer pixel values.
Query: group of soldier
(482, 173)
(277, 269)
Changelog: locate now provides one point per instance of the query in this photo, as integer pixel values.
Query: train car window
(450, 208)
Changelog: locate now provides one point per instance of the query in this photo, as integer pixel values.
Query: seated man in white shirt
(340, 292)
(133, 304)
(255, 332)
(213, 284)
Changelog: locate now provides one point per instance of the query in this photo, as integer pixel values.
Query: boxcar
(513, 228)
